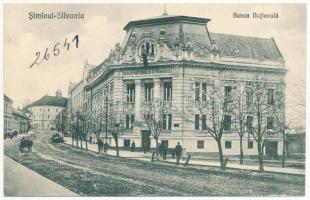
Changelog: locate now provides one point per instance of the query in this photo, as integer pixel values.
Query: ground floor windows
(130, 119)
(227, 144)
(167, 119)
(200, 144)
(126, 143)
(227, 123)
(250, 144)
(269, 122)
(203, 122)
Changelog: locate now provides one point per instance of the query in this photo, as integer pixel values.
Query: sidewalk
(20, 181)
(196, 161)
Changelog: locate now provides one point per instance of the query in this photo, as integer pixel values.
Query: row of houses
(15, 120)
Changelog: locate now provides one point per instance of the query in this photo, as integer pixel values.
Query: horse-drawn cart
(25, 145)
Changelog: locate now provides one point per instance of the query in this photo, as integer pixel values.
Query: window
(130, 119)
(48, 116)
(149, 48)
(148, 116)
(165, 143)
(200, 144)
(227, 144)
(196, 121)
(197, 91)
(148, 92)
(249, 96)
(250, 144)
(56, 110)
(227, 91)
(168, 91)
(167, 121)
(204, 91)
(227, 123)
(270, 96)
(126, 143)
(249, 124)
(203, 122)
(269, 122)
(131, 93)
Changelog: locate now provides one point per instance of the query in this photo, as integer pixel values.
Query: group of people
(103, 147)
(177, 152)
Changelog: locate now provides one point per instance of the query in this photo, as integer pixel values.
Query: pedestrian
(160, 149)
(99, 143)
(133, 146)
(178, 152)
(90, 139)
(106, 147)
(165, 150)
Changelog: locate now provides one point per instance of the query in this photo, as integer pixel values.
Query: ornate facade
(176, 59)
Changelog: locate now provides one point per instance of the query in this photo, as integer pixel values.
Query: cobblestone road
(89, 174)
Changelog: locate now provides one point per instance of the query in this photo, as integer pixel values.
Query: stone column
(138, 100)
(156, 88)
(138, 118)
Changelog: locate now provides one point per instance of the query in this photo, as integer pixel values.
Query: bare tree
(116, 120)
(241, 96)
(61, 122)
(152, 113)
(265, 109)
(216, 107)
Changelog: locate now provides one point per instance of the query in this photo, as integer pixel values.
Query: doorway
(272, 150)
(146, 140)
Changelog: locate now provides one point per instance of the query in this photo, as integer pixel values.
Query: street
(90, 174)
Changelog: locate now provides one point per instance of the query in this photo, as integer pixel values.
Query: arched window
(152, 50)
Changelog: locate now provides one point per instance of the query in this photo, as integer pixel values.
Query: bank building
(176, 59)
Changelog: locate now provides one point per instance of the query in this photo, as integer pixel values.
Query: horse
(26, 145)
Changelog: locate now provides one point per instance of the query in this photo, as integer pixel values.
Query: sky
(102, 28)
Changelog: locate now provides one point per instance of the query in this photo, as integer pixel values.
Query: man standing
(178, 152)
(165, 150)
(133, 146)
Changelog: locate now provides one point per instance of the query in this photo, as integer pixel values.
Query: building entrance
(146, 141)
(272, 149)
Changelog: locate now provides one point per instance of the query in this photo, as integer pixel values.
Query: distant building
(296, 144)
(21, 122)
(8, 115)
(45, 110)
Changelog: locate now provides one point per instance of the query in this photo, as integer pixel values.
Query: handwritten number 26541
(56, 51)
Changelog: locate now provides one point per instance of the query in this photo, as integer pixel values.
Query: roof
(7, 98)
(50, 101)
(246, 47)
(166, 19)
(19, 113)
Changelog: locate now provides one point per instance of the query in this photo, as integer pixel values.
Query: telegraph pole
(106, 119)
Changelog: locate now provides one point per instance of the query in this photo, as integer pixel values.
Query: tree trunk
(86, 146)
(116, 145)
(241, 150)
(219, 144)
(81, 142)
(283, 151)
(77, 141)
(260, 156)
(157, 148)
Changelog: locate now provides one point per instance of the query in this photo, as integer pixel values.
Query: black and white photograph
(155, 99)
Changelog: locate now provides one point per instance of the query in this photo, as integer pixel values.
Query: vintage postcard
(154, 99)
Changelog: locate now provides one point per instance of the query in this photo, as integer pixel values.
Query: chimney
(58, 93)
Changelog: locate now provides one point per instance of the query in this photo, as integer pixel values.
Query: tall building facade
(177, 60)
(8, 115)
(45, 110)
